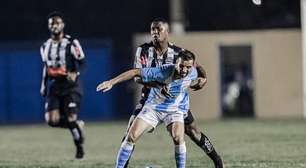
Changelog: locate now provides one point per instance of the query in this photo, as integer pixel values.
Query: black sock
(63, 123)
(208, 148)
(76, 132)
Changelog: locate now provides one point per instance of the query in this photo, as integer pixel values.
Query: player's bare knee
(177, 137)
(52, 123)
(51, 119)
(132, 137)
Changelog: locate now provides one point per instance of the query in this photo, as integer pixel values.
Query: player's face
(159, 31)
(184, 68)
(56, 25)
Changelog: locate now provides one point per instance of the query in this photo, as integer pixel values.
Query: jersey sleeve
(42, 53)
(193, 74)
(158, 74)
(140, 60)
(76, 50)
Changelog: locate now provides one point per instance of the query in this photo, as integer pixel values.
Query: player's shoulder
(71, 39)
(146, 46)
(175, 47)
(46, 43)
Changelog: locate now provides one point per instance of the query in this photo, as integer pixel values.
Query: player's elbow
(136, 72)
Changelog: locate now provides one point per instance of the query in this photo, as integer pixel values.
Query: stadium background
(108, 31)
(252, 108)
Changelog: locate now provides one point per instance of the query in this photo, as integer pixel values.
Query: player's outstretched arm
(107, 85)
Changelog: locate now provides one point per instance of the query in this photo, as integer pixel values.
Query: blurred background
(252, 54)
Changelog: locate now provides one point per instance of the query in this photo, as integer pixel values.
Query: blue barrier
(20, 76)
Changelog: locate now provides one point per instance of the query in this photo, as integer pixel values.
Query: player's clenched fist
(104, 86)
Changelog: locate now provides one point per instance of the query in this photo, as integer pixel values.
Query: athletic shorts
(67, 104)
(188, 118)
(155, 118)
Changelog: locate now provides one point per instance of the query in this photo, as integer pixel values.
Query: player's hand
(72, 76)
(104, 86)
(198, 84)
(165, 91)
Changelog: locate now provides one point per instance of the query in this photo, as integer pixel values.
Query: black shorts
(67, 104)
(189, 119)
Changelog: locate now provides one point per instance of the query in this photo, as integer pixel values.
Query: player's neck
(161, 47)
(58, 37)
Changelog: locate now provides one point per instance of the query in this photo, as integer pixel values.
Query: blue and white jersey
(177, 88)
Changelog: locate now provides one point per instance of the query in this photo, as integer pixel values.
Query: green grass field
(242, 143)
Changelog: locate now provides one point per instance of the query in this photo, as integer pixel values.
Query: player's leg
(52, 107)
(132, 118)
(201, 140)
(137, 128)
(144, 121)
(72, 106)
(175, 126)
(52, 118)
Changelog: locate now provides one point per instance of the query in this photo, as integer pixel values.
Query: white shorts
(154, 118)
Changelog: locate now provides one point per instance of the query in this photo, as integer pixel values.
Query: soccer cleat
(79, 152)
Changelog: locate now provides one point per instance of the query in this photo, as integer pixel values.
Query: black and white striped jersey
(59, 58)
(146, 56)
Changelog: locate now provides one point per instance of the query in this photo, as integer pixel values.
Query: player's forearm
(44, 77)
(82, 65)
(125, 76)
(153, 84)
(201, 71)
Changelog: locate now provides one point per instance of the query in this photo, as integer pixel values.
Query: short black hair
(159, 19)
(186, 55)
(55, 14)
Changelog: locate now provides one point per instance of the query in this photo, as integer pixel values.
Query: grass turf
(242, 143)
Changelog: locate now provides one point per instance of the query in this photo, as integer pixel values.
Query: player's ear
(195, 63)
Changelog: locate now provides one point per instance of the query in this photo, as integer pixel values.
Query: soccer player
(159, 108)
(156, 53)
(63, 60)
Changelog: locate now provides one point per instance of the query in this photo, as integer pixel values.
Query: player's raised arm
(107, 85)
(200, 82)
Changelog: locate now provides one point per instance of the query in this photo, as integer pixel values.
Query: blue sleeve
(159, 74)
(193, 74)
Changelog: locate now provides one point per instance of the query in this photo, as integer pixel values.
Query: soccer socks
(127, 162)
(124, 154)
(76, 132)
(180, 155)
(208, 148)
